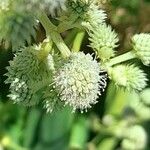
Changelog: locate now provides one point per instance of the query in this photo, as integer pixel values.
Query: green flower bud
(103, 41)
(135, 138)
(128, 76)
(28, 75)
(78, 81)
(141, 47)
(16, 25)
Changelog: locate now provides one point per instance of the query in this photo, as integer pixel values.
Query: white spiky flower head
(141, 47)
(94, 17)
(135, 138)
(129, 77)
(89, 13)
(103, 40)
(27, 75)
(78, 81)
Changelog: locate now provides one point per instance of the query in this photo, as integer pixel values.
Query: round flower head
(103, 40)
(27, 76)
(128, 76)
(77, 81)
(141, 47)
(135, 138)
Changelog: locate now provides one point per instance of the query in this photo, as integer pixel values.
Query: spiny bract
(77, 81)
(128, 76)
(141, 47)
(51, 99)
(27, 75)
(103, 41)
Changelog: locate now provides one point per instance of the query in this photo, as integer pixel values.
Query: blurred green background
(104, 127)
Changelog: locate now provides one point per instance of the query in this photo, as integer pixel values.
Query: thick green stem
(78, 41)
(51, 30)
(121, 58)
(46, 23)
(79, 134)
(57, 39)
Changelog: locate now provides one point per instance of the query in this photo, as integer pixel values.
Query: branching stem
(51, 30)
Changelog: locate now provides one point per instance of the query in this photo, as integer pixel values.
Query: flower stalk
(78, 41)
(121, 58)
(51, 30)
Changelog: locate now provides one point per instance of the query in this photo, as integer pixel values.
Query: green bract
(77, 81)
(27, 76)
(141, 47)
(51, 99)
(128, 76)
(103, 41)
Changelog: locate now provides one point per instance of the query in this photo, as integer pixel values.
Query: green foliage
(17, 29)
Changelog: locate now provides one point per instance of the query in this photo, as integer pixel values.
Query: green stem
(46, 23)
(67, 24)
(57, 39)
(51, 30)
(79, 134)
(107, 143)
(78, 41)
(121, 58)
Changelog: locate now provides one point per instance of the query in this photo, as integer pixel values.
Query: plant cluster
(56, 70)
(73, 76)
